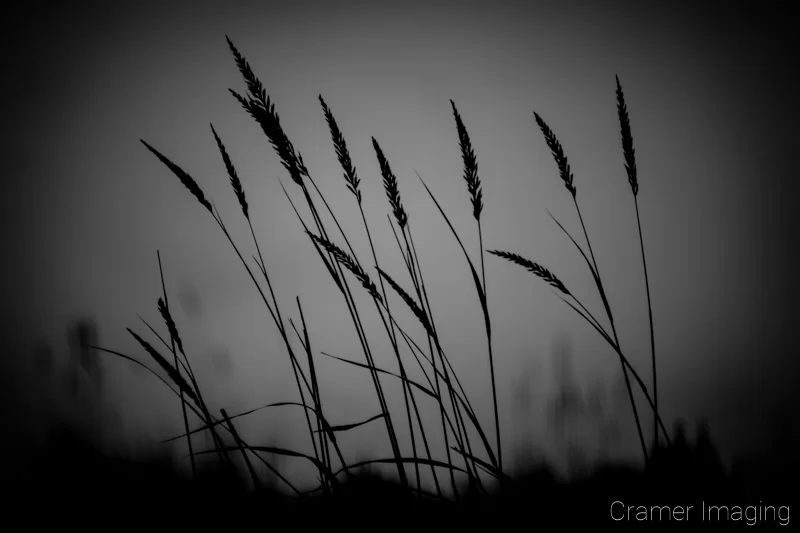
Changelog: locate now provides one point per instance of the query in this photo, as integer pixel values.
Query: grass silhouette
(469, 476)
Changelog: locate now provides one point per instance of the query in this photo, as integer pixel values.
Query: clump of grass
(459, 423)
(567, 177)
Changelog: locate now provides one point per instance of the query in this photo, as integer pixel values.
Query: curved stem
(613, 330)
(625, 362)
(650, 316)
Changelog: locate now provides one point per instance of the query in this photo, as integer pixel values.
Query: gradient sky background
(710, 90)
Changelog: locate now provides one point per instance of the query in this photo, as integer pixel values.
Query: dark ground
(75, 485)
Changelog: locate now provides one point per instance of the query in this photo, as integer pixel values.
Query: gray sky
(708, 92)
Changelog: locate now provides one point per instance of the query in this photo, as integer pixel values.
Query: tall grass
(468, 452)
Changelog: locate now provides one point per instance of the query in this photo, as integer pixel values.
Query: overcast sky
(709, 91)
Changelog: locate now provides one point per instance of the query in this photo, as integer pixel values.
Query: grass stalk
(476, 197)
(630, 168)
(175, 353)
